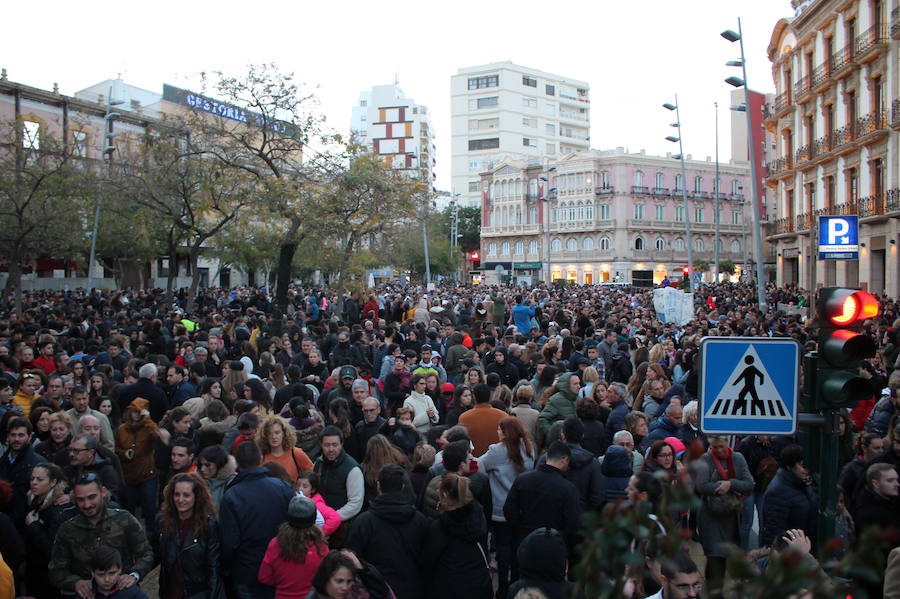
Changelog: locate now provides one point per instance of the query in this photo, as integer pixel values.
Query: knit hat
(359, 384)
(448, 388)
(301, 512)
(676, 444)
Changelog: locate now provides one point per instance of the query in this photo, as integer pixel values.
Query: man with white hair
(625, 439)
(145, 388)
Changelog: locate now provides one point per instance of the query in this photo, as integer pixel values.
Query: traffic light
(842, 346)
(686, 271)
(476, 261)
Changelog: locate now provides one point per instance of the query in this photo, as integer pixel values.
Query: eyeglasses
(87, 478)
(697, 586)
(667, 455)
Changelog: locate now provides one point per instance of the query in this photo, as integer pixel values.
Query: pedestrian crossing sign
(749, 385)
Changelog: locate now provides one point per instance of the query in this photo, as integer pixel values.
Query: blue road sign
(839, 237)
(749, 385)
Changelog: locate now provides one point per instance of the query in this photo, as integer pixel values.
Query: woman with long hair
(98, 385)
(110, 409)
(474, 376)
(379, 451)
(80, 374)
(188, 541)
(46, 507)
(217, 468)
(453, 554)
(462, 402)
(40, 424)
(637, 380)
(210, 389)
(276, 440)
(255, 389)
(661, 456)
(503, 462)
(545, 380)
(292, 557)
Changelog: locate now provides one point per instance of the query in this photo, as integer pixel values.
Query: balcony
(783, 225)
(821, 78)
(873, 205)
(601, 191)
(780, 165)
(801, 89)
(660, 191)
(805, 153)
(870, 44)
(640, 189)
(892, 203)
(895, 113)
(895, 23)
(872, 123)
(843, 137)
(782, 103)
(842, 61)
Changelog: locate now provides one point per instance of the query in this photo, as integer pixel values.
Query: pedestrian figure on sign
(749, 377)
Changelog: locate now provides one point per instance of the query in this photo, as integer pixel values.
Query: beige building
(835, 118)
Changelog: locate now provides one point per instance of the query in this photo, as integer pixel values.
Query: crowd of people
(403, 443)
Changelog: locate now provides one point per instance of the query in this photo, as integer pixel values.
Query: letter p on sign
(838, 229)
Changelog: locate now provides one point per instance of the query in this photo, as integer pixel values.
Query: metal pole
(716, 186)
(684, 198)
(757, 227)
(107, 130)
(425, 241)
(548, 280)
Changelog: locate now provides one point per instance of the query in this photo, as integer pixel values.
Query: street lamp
(687, 212)
(108, 149)
(732, 36)
(716, 187)
(547, 198)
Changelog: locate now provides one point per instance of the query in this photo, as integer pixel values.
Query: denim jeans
(747, 507)
(144, 496)
(507, 564)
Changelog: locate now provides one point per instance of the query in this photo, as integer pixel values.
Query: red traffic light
(685, 270)
(848, 306)
(474, 256)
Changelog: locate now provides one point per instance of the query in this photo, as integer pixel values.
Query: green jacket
(560, 406)
(499, 304)
(70, 559)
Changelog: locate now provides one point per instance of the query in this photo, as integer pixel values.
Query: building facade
(835, 118)
(614, 216)
(502, 111)
(396, 129)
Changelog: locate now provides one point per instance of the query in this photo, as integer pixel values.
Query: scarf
(726, 471)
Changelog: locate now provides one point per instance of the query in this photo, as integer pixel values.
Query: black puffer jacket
(453, 557)
(198, 557)
(615, 471)
(390, 536)
(789, 503)
(542, 565)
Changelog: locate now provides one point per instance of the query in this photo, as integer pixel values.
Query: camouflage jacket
(77, 538)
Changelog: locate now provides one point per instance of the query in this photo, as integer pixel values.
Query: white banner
(673, 306)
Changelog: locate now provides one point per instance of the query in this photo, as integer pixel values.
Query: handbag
(729, 503)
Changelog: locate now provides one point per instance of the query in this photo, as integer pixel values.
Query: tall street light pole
(108, 149)
(684, 196)
(547, 198)
(731, 36)
(716, 186)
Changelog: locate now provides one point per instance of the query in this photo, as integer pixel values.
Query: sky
(635, 55)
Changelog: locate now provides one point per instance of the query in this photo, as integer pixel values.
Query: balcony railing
(640, 189)
(784, 163)
(600, 191)
(874, 121)
(842, 59)
(873, 205)
(823, 145)
(782, 101)
(892, 203)
(660, 191)
(783, 225)
(805, 153)
(801, 87)
(821, 75)
(870, 38)
(843, 135)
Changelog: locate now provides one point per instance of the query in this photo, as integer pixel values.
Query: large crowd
(404, 443)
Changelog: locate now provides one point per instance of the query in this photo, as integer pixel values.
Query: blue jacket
(661, 428)
(522, 317)
(616, 420)
(253, 507)
(788, 503)
(615, 471)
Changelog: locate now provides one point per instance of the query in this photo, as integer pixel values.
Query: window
(475, 166)
(589, 212)
(363, 103)
(491, 143)
(698, 184)
(556, 246)
(550, 129)
(735, 246)
(504, 249)
(31, 135)
(475, 124)
(604, 243)
(529, 102)
(679, 245)
(587, 243)
(660, 243)
(604, 180)
(554, 215)
(484, 81)
(79, 143)
(638, 178)
(550, 110)
(530, 82)
(604, 211)
(639, 243)
(580, 211)
(660, 210)
(698, 215)
(735, 187)
(551, 149)
(571, 245)
(529, 122)
(532, 247)
(638, 211)
(679, 183)
(550, 90)
(735, 217)
(699, 245)
(660, 180)
(492, 249)
(531, 143)
(474, 185)
(520, 247)
(679, 213)
(532, 215)
(487, 102)
(533, 188)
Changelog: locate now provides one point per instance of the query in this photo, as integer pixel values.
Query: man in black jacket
(391, 534)
(366, 428)
(15, 467)
(584, 469)
(544, 498)
(145, 387)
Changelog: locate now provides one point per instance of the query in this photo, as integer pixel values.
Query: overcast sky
(635, 54)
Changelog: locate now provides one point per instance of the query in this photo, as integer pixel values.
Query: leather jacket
(199, 558)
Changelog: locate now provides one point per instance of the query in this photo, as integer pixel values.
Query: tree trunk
(283, 277)
(15, 284)
(195, 277)
(345, 258)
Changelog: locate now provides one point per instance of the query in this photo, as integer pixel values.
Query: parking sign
(839, 237)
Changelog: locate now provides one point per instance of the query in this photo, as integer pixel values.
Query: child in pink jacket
(308, 484)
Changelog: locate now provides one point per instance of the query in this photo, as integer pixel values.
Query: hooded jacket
(560, 406)
(390, 536)
(618, 368)
(584, 473)
(137, 438)
(454, 558)
(508, 373)
(542, 565)
(615, 472)
(219, 482)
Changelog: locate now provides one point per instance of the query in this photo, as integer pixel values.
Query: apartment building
(502, 112)
(609, 216)
(835, 117)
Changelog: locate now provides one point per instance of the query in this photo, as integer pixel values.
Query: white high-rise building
(396, 128)
(503, 111)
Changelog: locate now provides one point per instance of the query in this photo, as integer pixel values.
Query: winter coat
(148, 390)
(77, 539)
(105, 471)
(560, 406)
(788, 503)
(454, 558)
(218, 484)
(198, 557)
(508, 373)
(139, 438)
(479, 492)
(880, 417)
(245, 529)
(421, 403)
(584, 473)
(39, 537)
(615, 472)
(18, 473)
(501, 472)
(616, 420)
(661, 428)
(716, 530)
(542, 497)
(332, 520)
(291, 579)
(542, 566)
(404, 438)
(618, 368)
(390, 536)
(873, 510)
(341, 484)
(594, 439)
